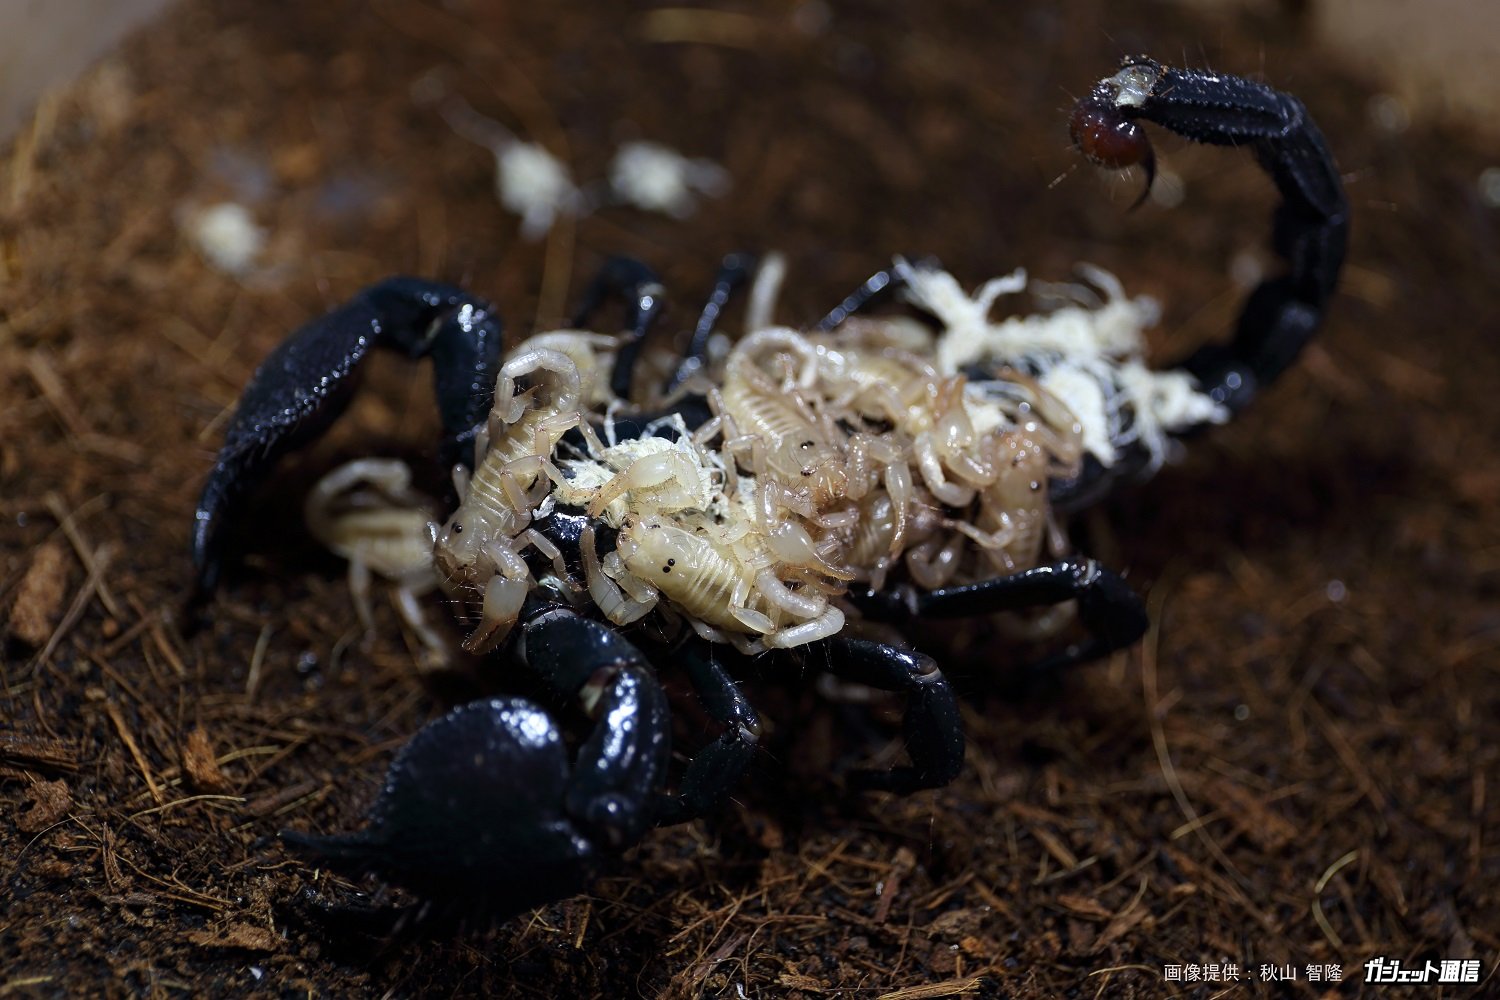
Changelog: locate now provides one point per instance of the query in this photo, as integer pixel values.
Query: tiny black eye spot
(808, 444)
(666, 569)
(671, 562)
(458, 528)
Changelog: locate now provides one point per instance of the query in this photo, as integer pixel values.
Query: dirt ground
(1297, 767)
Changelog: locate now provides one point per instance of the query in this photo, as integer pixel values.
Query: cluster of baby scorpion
(830, 458)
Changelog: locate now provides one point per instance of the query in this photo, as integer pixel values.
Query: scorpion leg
(645, 301)
(733, 272)
(622, 766)
(1110, 611)
(856, 300)
(714, 770)
(482, 811)
(717, 768)
(887, 279)
(307, 381)
(691, 406)
(933, 728)
(1311, 225)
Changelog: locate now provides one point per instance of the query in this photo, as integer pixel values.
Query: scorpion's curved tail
(1311, 233)
(1311, 224)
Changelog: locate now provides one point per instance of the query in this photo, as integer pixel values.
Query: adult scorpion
(791, 499)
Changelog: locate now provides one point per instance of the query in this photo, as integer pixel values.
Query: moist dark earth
(1296, 768)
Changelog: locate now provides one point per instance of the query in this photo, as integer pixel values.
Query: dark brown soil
(1298, 768)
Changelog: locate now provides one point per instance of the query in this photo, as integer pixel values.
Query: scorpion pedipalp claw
(471, 813)
(482, 812)
(308, 380)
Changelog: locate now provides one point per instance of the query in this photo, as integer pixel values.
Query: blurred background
(1434, 56)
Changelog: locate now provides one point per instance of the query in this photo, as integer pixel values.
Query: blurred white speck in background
(529, 180)
(653, 177)
(1169, 188)
(1246, 269)
(227, 236)
(1388, 114)
(535, 185)
(1489, 187)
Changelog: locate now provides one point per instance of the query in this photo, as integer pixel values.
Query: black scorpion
(487, 804)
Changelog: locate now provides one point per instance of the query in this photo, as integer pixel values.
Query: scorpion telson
(793, 494)
(1105, 134)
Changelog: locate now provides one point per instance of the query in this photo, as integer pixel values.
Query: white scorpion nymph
(478, 551)
(367, 512)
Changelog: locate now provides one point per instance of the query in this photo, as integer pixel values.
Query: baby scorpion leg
(645, 301)
(307, 381)
(934, 731)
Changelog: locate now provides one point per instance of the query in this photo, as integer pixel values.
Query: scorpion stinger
(308, 380)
